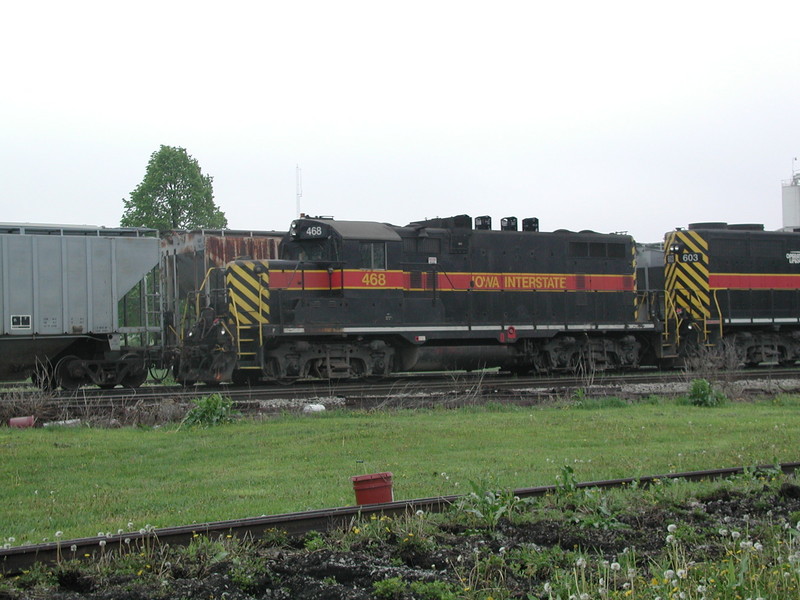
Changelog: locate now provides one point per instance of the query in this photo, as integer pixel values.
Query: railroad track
(403, 391)
(17, 559)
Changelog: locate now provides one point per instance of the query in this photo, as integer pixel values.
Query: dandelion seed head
(615, 566)
(672, 528)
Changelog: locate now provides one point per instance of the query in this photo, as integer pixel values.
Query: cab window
(373, 255)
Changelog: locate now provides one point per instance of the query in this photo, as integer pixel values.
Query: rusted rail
(19, 558)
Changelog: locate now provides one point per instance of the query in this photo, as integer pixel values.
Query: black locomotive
(734, 288)
(357, 299)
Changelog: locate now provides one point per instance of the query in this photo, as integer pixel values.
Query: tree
(174, 194)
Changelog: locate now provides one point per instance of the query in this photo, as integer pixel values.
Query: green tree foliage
(174, 194)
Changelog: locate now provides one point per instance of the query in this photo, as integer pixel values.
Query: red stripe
(753, 281)
(479, 282)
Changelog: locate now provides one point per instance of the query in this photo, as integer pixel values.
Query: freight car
(352, 299)
(732, 288)
(67, 316)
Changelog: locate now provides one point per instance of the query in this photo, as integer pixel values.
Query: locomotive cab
(311, 241)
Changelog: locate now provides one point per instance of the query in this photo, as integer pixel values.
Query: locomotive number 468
(374, 279)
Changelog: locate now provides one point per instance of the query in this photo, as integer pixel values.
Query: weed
(566, 484)
(433, 590)
(489, 506)
(314, 540)
(702, 393)
(391, 588)
(209, 411)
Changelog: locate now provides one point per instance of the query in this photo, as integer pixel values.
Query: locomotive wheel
(65, 374)
(135, 378)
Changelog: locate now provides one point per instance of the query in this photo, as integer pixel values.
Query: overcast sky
(610, 116)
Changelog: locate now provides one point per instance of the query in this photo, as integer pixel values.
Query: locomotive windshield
(310, 250)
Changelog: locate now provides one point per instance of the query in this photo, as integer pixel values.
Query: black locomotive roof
(361, 230)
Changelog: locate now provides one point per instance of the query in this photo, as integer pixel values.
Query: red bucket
(22, 422)
(373, 489)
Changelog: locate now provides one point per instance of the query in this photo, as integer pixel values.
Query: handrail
(719, 311)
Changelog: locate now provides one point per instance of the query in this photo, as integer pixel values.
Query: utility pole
(299, 187)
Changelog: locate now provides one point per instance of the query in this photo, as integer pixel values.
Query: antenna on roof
(299, 187)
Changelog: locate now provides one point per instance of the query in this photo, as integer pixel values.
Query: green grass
(83, 481)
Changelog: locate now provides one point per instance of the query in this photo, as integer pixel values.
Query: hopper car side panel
(59, 301)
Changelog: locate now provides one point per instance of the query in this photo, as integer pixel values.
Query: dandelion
(584, 596)
(681, 573)
(672, 528)
(669, 575)
(735, 535)
(615, 566)
(73, 548)
(127, 540)
(581, 563)
(547, 587)
(670, 539)
(102, 543)
(130, 524)
(723, 532)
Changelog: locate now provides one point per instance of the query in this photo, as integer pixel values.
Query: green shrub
(212, 410)
(702, 393)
